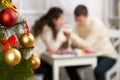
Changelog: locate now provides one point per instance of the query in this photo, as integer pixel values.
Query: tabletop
(55, 56)
(57, 61)
(50, 58)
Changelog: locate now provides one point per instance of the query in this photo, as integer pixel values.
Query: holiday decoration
(35, 62)
(9, 5)
(12, 57)
(8, 17)
(27, 40)
(2, 6)
(10, 42)
(16, 42)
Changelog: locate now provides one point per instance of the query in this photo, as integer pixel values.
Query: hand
(67, 29)
(67, 34)
(68, 26)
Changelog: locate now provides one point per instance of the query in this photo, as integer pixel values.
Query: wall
(33, 9)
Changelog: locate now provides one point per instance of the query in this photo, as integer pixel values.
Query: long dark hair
(47, 19)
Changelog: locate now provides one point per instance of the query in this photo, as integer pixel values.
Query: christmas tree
(17, 60)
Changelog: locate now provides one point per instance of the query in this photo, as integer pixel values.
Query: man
(92, 35)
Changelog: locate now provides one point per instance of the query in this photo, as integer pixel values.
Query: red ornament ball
(8, 17)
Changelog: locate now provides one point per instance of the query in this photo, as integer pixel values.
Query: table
(58, 61)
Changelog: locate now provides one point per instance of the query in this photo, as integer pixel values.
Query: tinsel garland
(17, 66)
(22, 71)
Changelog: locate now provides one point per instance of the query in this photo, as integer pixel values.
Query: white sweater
(94, 36)
(46, 42)
(50, 43)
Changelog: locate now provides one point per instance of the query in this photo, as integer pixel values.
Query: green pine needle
(24, 70)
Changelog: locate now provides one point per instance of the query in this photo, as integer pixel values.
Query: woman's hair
(47, 19)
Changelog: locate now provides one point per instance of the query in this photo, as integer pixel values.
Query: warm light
(11, 56)
(6, 17)
(26, 39)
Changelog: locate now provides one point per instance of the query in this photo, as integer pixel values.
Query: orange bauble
(8, 17)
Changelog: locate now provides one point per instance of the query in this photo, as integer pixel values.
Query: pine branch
(24, 70)
(23, 22)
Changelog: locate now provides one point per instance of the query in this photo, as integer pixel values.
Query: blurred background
(103, 9)
(106, 10)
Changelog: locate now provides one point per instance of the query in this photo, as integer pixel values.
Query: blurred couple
(91, 34)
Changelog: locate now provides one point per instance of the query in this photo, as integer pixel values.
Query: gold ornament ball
(35, 62)
(27, 40)
(12, 57)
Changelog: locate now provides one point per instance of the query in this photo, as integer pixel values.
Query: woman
(49, 28)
